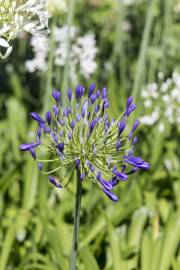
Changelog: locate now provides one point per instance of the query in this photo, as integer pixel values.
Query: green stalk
(68, 43)
(77, 209)
(7, 247)
(122, 58)
(143, 51)
(50, 69)
(167, 25)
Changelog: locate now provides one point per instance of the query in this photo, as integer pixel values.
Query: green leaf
(146, 249)
(88, 259)
(115, 248)
(136, 227)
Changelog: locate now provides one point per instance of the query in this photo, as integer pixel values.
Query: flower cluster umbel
(81, 137)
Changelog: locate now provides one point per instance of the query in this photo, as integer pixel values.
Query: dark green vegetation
(142, 230)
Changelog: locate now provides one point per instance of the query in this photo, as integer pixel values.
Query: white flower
(166, 98)
(87, 52)
(161, 127)
(148, 103)
(147, 120)
(145, 94)
(176, 78)
(175, 93)
(160, 75)
(4, 43)
(153, 87)
(82, 53)
(150, 119)
(40, 48)
(17, 16)
(164, 87)
(162, 101)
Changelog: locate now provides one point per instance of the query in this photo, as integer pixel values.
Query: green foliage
(142, 231)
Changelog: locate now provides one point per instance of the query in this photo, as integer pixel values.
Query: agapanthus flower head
(83, 138)
(21, 15)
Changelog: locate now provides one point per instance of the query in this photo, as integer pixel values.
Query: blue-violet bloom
(82, 137)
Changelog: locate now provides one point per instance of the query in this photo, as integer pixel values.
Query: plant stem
(70, 17)
(49, 73)
(140, 71)
(76, 223)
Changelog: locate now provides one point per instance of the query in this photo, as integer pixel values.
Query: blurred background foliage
(135, 41)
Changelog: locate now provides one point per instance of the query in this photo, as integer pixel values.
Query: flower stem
(70, 16)
(76, 223)
(49, 73)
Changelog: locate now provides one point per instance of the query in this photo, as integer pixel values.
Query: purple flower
(61, 133)
(98, 94)
(121, 126)
(78, 118)
(106, 104)
(111, 195)
(92, 124)
(136, 124)
(114, 181)
(60, 147)
(69, 93)
(137, 162)
(48, 118)
(130, 106)
(28, 146)
(82, 176)
(70, 135)
(96, 109)
(79, 91)
(37, 117)
(120, 175)
(104, 93)
(40, 166)
(133, 170)
(129, 102)
(39, 132)
(72, 124)
(83, 137)
(53, 181)
(91, 89)
(118, 144)
(33, 153)
(93, 98)
(135, 139)
(131, 109)
(78, 161)
(104, 183)
(55, 110)
(56, 95)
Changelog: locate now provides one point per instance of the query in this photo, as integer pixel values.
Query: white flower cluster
(82, 52)
(40, 49)
(162, 101)
(20, 15)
